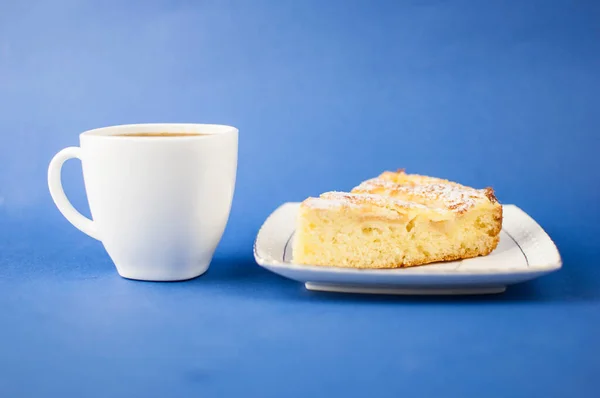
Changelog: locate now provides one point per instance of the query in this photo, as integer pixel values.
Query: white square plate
(525, 252)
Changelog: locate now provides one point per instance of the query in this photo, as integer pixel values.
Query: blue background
(325, 94)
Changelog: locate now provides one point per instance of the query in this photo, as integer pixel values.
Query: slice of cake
(397, 220)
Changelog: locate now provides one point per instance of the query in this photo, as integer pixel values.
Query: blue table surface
(325, 94)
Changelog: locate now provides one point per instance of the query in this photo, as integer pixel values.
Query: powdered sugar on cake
(335, 200)
(455, 197)
(358, 199)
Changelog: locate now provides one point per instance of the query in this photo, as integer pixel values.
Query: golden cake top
(427, 191)
(372, 205)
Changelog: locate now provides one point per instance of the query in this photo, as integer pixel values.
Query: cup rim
(208, 130)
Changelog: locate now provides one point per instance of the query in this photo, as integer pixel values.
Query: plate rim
(409, 271)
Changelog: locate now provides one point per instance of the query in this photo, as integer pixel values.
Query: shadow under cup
(159, 195)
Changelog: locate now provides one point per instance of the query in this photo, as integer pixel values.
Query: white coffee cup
(159, 204)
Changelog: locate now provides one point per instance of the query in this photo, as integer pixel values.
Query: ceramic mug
(159, 204)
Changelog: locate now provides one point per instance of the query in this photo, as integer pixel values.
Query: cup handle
(81, 222)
